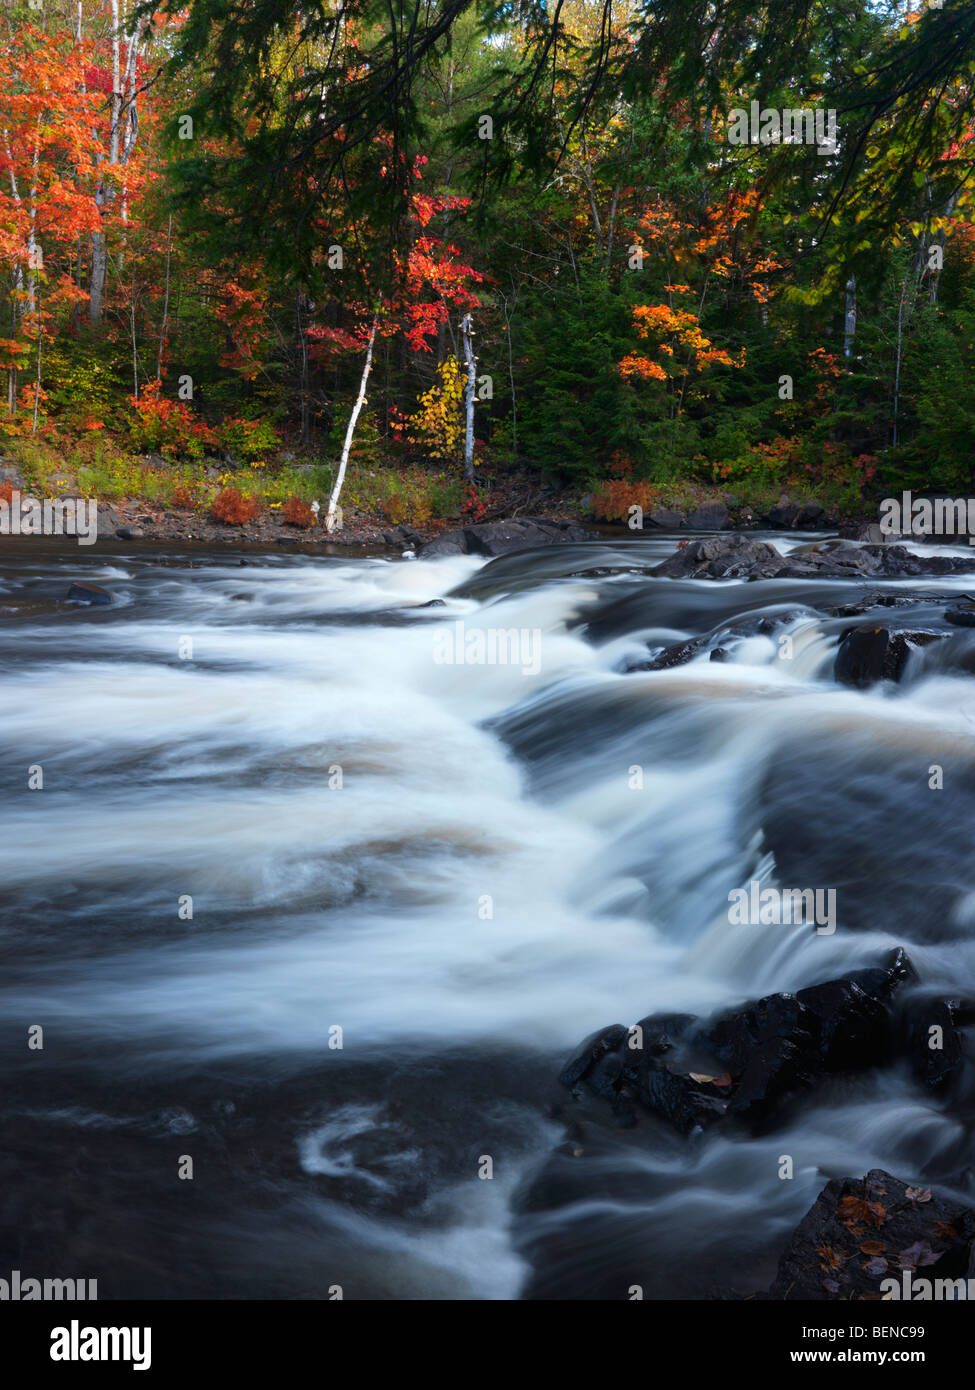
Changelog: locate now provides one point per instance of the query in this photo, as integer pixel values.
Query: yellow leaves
(438, 424)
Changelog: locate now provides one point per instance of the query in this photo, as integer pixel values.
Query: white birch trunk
(466, 331)
(333, 501)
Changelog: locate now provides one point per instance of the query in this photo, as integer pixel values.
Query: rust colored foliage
(613, 499)
(232, 508)
(183, 496)
(297, 513)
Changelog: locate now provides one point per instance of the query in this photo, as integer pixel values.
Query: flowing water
(307, 906)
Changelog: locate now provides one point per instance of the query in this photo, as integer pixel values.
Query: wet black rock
(812, 517)
(788, 515)
(870, 602)
(864, 531)
(782, 516)
(738, 557)
(664, 519)
(870, 654)
(906, 1229)
(90, 594)
(761, 623)
(709, 516)
(745, 1064)
(501, 537)
(592, 1050)
(933, 1041)
(723, 557)
(403, 536)
(962, 614)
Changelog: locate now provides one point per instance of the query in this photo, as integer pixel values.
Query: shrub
(297, 513)
(183, 496)
(250, 440)
(232, 508)
(163, 424)
(613, 499)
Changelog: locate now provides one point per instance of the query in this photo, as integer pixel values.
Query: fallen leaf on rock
(918, 1255)
(831, 1259)
(873, 1247)
(919, 1194)
(878, 1265)
(852, 1209)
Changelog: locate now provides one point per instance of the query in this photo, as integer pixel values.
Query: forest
(445, 252)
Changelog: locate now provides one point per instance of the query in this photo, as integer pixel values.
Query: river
(311, 917)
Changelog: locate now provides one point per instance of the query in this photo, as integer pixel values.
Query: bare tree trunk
(303, 350)
(466, 332)
(511, 377)
(850, 322)
(135, 354)
(940, 241)
(37, 385)
(120, 146)
(897, 372)
(165, 318)
(333, 501)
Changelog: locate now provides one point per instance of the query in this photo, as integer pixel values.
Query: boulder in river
(723, 557)
(90, 594)
(739, 557)
(761, 623)
(961, 614)
(745, 1063)
(870, 654)
(862, 1233)
(501, 537)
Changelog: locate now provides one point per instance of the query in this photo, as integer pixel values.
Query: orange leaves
(829, 1258)
(242, 310)
(232, 508)
(164, 423)
(634, 365)
(612, 500)
(855, 1211)
(681, 327)
(298, 513)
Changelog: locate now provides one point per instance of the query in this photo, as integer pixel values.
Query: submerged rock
(761, 623)
(860, 1233)
(90, 594)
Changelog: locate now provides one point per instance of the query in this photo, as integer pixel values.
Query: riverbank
(397, 506)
